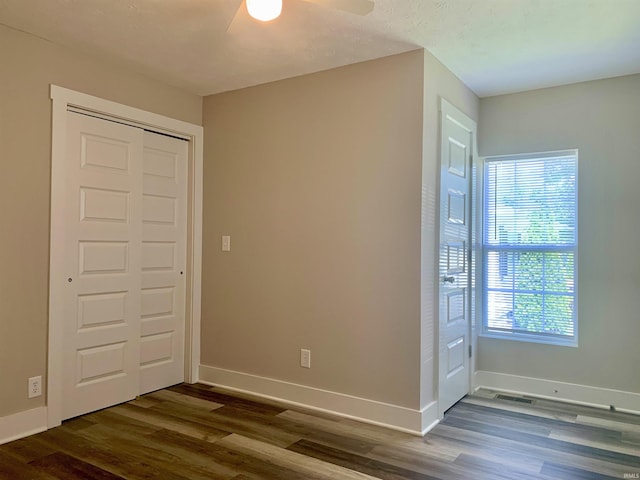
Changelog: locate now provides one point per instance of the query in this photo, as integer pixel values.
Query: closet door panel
(103, 262)
(164, 214)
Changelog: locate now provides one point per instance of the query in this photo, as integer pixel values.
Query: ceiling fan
(266, 10)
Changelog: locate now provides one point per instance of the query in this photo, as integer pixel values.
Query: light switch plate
(305, 358)
(226, 243)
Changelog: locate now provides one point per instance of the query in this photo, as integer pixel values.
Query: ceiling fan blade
(359, 7)
(241, 12)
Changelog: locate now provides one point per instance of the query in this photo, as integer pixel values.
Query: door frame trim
(62, 99)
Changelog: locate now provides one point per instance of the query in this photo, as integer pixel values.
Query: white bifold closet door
(125, 259)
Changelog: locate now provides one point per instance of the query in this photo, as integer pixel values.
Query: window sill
(520, 337)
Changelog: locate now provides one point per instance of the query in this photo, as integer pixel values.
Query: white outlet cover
(305, 358)
(35, 386)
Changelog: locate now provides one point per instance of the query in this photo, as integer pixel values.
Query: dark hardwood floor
(199, 432)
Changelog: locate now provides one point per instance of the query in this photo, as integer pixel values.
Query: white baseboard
(23, 424)
(429, 418)
(416, 422)
(566, 392)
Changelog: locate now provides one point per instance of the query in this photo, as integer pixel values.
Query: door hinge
(470, 351)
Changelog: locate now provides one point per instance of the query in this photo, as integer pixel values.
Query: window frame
(482, 249)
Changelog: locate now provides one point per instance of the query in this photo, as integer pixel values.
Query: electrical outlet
(305, 358)
(35, 386)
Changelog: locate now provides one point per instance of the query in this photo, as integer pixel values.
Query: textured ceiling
(494, 46)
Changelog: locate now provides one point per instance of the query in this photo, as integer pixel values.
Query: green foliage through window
(529, 244)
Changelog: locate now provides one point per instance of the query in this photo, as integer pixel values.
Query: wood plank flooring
(200, 432)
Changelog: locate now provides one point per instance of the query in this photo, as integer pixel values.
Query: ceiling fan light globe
(264, 10)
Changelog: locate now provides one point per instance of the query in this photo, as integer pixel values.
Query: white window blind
(530, 245)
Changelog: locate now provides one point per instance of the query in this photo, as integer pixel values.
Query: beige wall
(317, 180)
(438, 82)
(601, 119)
(27, 66)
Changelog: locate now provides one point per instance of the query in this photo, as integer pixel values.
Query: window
(529, 247)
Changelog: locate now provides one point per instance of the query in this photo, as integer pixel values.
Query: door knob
(449, 279)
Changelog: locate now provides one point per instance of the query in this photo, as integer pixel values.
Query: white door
(456, 150)
(164, 214)
(102, 261)
(125, 256)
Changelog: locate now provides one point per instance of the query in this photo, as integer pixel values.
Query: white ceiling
(494, 46)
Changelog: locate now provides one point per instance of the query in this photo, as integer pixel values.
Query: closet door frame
(64, 99)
